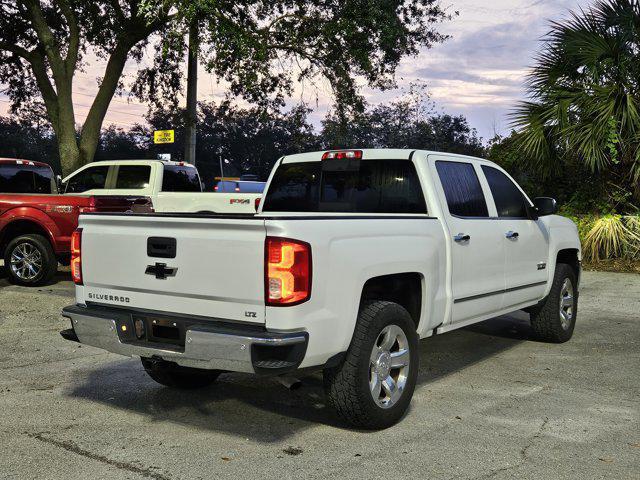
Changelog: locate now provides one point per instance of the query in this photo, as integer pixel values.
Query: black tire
(546, 320)
(173, 375)
(347, 386)
(48, 264)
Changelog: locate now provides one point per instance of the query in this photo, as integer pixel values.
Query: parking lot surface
(490, 403)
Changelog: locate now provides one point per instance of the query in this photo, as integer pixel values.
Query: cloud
(481, 71)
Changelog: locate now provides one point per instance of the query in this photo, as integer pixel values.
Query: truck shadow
(264, 410)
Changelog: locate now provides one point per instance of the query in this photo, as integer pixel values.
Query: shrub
(612, 237)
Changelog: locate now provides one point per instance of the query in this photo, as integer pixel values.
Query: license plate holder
(163, 330)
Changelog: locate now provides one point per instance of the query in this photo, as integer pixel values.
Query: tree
(577, 190)
(117, 144)
(44, 43)
(262, 46)
(410, 122)
(29, 140)
(259, 47)
(252, 139)
(585, 96)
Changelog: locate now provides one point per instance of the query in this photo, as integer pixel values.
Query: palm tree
(584, 94)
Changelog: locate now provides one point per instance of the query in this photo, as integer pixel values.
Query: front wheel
(173, 375)
(373, 386)
(554, 319)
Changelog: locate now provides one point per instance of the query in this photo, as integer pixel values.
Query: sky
(479, 72)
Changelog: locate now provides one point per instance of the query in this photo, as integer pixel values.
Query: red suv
(36, 223)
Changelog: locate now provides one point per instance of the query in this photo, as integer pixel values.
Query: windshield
(16, 178)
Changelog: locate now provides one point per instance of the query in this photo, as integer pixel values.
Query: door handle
(512, 235)
(461, 237)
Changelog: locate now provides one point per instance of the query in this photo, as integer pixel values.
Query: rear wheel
(173, 375)
(30, 260)
(373, 386)
(554, 319)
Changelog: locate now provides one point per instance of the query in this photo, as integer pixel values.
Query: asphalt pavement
(490, 403)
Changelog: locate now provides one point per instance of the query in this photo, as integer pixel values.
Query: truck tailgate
(217, 269)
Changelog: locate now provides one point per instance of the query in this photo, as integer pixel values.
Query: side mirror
(545, 206)
(59, 183)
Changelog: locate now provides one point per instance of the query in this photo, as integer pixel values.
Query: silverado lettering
(110, 298)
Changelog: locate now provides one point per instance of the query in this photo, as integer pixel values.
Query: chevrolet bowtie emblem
(161, 271)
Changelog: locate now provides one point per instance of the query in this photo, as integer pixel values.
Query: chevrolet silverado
(353, 256)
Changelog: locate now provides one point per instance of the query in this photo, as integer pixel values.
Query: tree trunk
(192, 95)
(66, 128)
(69, 154)
(90, 134)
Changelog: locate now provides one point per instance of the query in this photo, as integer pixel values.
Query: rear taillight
(287, 272)
(257, 203)
(76, 256)
(117, 204)
(92, 207)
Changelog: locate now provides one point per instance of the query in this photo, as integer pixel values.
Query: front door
(526, 241)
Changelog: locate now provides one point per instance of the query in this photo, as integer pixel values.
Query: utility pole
(192, 95)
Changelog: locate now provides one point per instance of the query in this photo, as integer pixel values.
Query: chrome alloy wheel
(566, 304)
(389, 366)
(26, 261)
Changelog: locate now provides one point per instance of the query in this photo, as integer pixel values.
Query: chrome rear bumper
(207, 345)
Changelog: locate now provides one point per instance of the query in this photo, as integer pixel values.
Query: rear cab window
(180, 178)
(24, 178)
(354, 186)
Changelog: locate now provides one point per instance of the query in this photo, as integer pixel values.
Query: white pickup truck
(352, 257)
(172, 186)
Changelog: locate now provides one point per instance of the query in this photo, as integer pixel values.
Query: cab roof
(143, 161)
(148, 161)
(377, 154)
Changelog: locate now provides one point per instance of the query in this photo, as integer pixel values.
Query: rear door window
(366, 186)
(462, 189)
(133, 177)
(26, 179)
(92, 178)
(180, 178)
(508, 198)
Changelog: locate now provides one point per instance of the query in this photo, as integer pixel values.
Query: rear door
(476, 241)
(526, 240)
(205, 266)
(130, 179)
